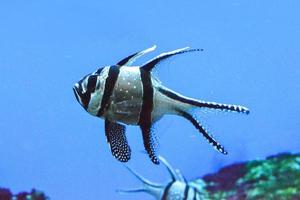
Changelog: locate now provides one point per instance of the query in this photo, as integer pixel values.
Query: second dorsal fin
(152, 63)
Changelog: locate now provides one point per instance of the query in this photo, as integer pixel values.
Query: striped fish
(177, 189)
(125, 94)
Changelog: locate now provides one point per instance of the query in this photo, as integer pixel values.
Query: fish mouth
(76, 92)
(82, 98)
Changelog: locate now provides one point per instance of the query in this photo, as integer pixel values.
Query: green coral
(277, 177)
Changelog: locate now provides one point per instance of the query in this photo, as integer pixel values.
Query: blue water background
(47, 141)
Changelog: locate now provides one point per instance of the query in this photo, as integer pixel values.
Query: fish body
(124, 94)
(176, 189)
(126, 99)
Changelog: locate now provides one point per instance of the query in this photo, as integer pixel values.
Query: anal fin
(150, 142)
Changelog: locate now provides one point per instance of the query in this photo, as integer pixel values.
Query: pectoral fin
(115, 134)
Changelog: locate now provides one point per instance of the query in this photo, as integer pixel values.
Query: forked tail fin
(204, 132)
(183, 106)
(202, 104)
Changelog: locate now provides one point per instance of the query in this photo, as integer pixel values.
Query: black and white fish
(177, 189)
(125, 94)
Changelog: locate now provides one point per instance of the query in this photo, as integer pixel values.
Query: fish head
(89, 89)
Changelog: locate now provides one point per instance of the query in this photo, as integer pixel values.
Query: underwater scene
(143, 100)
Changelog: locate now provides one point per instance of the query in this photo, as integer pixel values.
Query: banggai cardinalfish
(125, 94)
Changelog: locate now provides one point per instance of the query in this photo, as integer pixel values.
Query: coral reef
(6, 194)
(277, 177)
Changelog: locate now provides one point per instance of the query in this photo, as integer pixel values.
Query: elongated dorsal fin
(136, 190)
(180, 176)
(142, 179)
(130, 59)
(152, 63)
(175, 174)
(148, 187)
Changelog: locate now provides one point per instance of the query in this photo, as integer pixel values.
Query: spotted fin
(115, 134)
(130, 59)
(202, 130)
(150, 142)
(155, 61)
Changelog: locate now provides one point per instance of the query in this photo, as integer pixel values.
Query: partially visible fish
(176, 189)
(124, 94)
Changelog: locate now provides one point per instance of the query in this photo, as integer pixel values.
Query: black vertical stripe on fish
(195, 194)
(85, 99)
(115, 134)
(186, 192)
(167, 190)
(145, 121)
(147, 105)
(202, 104)
(208, 137)
(92, 81)
(109, 87)
(152, 63)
